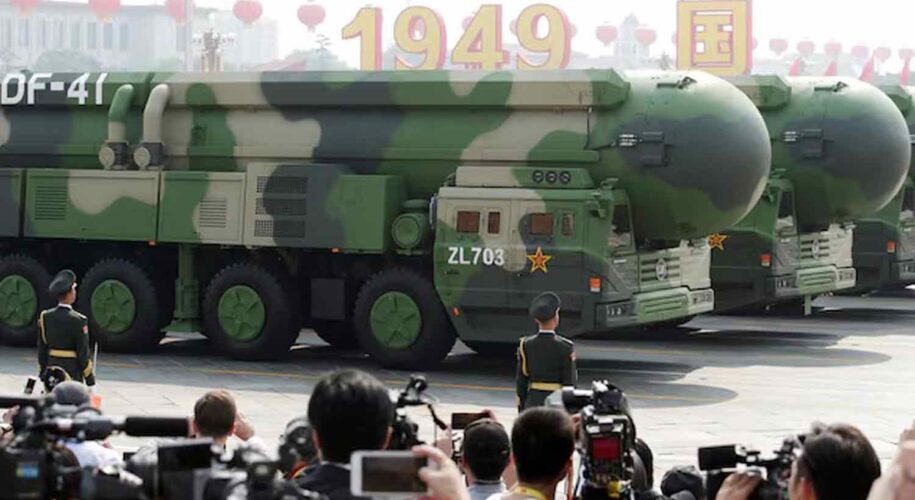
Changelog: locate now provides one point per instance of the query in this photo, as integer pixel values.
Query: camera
(606, 440)
(405, 432)
(196, 469)
(719, 462)
(36, 463)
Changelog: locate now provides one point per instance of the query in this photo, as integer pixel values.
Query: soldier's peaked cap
(545, 306)
(62, 283)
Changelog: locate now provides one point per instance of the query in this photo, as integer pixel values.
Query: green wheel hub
(18, 301)
(113, 306)
(242, 314)
(396, 320)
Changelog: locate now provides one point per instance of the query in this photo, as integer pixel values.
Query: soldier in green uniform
(63, 339)
(546, 361)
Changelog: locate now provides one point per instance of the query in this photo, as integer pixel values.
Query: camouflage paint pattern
(840, 150)
(326, 161)
(884, 249)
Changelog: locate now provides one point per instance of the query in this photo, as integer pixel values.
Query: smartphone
(390, 474)
(460, 421)
(30, 385)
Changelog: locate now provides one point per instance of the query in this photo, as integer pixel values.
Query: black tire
(25, 333)
(493, 349)
(280, 327)
(142, 334)
(338, 333)
(435, 336)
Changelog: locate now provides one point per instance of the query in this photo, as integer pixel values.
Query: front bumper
(903, 271)
(655, 307)
(811, 281)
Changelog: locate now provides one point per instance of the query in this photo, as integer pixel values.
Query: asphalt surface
(721, 379)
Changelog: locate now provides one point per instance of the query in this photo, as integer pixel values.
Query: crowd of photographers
(55, 448)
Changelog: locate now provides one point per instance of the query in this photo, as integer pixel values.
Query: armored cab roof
(901, 96)
(766, 91)
(513, 89)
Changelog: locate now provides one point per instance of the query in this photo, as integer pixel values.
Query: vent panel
(51, 202)
(213, 213)
(279, 184)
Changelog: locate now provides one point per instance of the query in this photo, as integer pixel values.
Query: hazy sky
(874, 22)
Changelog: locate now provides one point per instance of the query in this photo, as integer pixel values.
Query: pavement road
(722, 379)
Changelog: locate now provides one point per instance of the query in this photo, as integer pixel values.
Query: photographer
(837, 463)
(486, 453)
(542, 442)
(216, 416)
(349, 410)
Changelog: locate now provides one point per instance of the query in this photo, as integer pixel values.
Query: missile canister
(690, 150)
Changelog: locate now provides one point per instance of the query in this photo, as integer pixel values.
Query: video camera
(719, 462)
(37, 464)
(196, 469)
(606, 440)
(405, 434)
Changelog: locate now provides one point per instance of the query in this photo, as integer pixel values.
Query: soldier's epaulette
(79, 315)
(567, 341)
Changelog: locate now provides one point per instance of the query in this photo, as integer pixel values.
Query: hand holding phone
(390, 474)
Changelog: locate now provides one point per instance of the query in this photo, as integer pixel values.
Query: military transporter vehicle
(396, 211)
(840, 150)
(884, 250)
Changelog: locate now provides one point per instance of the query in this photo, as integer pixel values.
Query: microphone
(156, 427)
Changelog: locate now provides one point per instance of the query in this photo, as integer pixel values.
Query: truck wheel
(122, 305)
(338, 333)
(249, 314)
(23, 295)
(400, 322)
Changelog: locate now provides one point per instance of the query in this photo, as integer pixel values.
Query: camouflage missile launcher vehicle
(393, 211)
(840, 150)
(884, 249)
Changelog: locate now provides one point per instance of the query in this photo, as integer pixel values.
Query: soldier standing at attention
(546, 361)
(63, 339)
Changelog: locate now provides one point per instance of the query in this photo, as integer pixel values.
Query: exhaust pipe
(150, 155)
(114, 155)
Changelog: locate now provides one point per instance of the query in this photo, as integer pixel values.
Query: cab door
(546, 253)
(471, 253)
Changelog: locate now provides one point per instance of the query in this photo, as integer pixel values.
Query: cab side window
(785, 221)
(568, 224)
(622, 228)
(468, 222)
(494, 223)
(541, 224)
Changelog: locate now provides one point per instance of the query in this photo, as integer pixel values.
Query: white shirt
(94, 455)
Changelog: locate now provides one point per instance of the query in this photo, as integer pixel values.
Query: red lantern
(882, 53)
(105, 9)
(176, 9)
(906, 54)
(806, 48)
(607, 34)
(26, 6)
(248, 11)
(833, 49)
(311, 15)
(646, 36)
(860, 51)
(778, 45)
